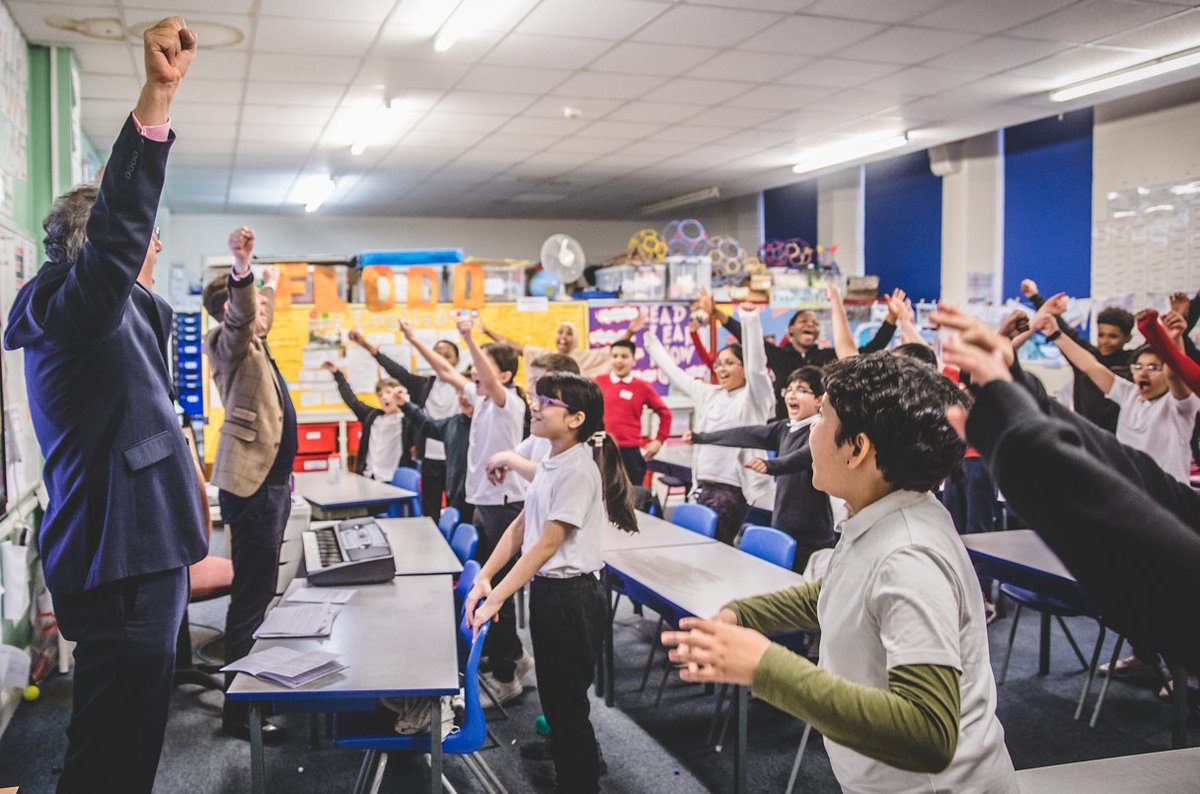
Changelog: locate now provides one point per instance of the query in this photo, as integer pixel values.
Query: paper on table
(320, 595)
(14, 571)
(312, 620)
(14, 666)
(287, 666)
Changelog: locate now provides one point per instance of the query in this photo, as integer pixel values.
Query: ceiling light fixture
(383, 125)
(469, 18)
(852, 149)
(315, 191)
(1159, 66)
(682, 201)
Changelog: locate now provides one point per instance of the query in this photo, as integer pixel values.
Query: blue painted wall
(791, 211)
(902, 225)
(1048, 204)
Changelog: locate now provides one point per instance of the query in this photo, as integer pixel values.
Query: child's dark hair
(900, 404)
(625, 343)
(584, 396)
(917, 352)
(810, 375)
(1115, 315)
(454, 347)
(736, 349)
(555, 362)
(1143, 351)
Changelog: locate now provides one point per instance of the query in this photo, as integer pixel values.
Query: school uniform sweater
(624, 401)
(454, 432)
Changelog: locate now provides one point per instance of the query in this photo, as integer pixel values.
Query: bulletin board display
(668, 321)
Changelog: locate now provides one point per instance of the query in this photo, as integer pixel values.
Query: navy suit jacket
(124, 499)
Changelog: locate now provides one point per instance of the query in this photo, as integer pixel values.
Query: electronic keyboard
(353, 552)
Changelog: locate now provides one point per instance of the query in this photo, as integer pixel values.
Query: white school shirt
(1161, 428)
(900, 590)
(386, 447)
(567, 488)
(441, 403)
(534, 448)
(493, 429)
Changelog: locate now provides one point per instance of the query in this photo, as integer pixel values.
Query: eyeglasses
(1147, 367)
(541, 401)
(795, 390)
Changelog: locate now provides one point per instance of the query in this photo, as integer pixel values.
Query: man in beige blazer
(255, 450)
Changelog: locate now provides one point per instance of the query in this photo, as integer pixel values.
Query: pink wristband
(154, 132)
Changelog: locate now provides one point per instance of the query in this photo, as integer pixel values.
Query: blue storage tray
(412, 256)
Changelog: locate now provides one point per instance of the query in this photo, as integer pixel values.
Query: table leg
(435, 746)
(258, 772)
(609, 684)
(1179, 707)
(1044, 646)
(741, 702)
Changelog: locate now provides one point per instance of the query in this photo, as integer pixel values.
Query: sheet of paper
(320, 595)
(310, 620)
(14, 572)
(14, 666)
(287, 666)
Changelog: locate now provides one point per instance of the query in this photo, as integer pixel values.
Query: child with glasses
(800, 509)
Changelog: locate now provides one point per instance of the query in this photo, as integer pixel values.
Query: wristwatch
(1054, 335)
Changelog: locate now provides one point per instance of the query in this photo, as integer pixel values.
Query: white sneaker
(504, 691)
(525, 665)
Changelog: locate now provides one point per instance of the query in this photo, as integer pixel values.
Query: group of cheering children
(903, 691)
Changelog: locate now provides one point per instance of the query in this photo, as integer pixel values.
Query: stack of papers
(320, 595)
(310, 620)
(286, 666)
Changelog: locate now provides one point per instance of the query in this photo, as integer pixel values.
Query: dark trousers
(970, 496)
(503, 646)
(729, 504)
(125, 635)
(255, 525)
(635, 464)
(566, 622)
(433, 485)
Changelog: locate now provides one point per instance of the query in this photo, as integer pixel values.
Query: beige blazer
(250, 435)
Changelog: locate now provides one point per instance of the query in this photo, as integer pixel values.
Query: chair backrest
(448, 520)
(473, 732)
(697, 518)
(464, 541)
(409, 479)
(770, 544)
(466, 579)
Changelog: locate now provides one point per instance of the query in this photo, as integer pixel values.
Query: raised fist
(169, 48)
(241, 245)
(1029, 288)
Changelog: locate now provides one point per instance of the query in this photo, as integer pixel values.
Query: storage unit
(644, 283)
(316, 462)
(353, 437)
(317, 438)
(689, 274)
(187, 363)
(503, 282)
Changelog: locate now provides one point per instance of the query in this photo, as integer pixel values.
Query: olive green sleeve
(784, 610)
(912, 725)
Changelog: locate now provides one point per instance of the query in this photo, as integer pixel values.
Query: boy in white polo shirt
(903, 693)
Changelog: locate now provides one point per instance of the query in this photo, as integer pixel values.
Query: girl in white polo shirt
(577, 492)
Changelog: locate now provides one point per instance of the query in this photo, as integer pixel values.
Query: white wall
(840, 213)
(972, 219)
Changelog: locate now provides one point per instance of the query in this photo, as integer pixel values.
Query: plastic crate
(645, 283)
(689, 274)
(610, 279)
(317, 438)
(303, 463)
(353, 437)
(503, 282)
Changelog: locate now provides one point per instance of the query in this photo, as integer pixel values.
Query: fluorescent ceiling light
(469, 18)
(1159, 66)
(853, 149)
(313, 191)
(383, 126)
(682, 201)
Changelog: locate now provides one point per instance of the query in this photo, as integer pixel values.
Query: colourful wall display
(667, 321)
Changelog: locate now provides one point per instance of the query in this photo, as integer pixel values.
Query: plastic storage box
(503, 282)
(644, 283)
(688, 275)
(315, 438)
(610, 279)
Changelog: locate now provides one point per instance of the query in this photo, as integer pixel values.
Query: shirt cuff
(153, 132)
(243, 281)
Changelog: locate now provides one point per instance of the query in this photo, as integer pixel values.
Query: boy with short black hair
(904, 693)
(626, 397)
(386, 437)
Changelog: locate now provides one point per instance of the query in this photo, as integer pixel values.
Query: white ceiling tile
(612, 19)
(483, 102)
(518, 142)
(664, 112)
(609, 86)
(197, 89)
(258, 196)
(1079, 63)
(526, 125)
(1093, 19)
(490, 158)
(114, 109)
(263, 177)
(635, 57)
(413, 43)
(591, 107)
(691, 133)
(110, 86)
(462, 122)
(551, 52)
(811, 35)
(658, 149)
(754, 67)
(997, 53)
(578, 144)
(31, 18)
(302, 36)
(908, 45)
(373, 11)
(285, 114)
(514, 79)
(862, 101)
(922, 81)
(1177, 33)
(809, 120)
(184, 159)
(996, 88)
(399, 75)
(220, 65)
(163, 8)
(105, 59)
(303, 68)
(759, 138)
(779, 97)
(836, 73)
(279, 132)
(699, 25)
(698, 92)
(873, 10)
(624, 130)
(314, 95)
(735, 117)
(210, 131)
(988, 16)
(184, 113)
(441, 138)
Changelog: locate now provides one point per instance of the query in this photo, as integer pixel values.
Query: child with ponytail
(578, 490)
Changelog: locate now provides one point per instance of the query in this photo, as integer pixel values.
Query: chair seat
(673, 482)
(1041, 603)
(210, 576)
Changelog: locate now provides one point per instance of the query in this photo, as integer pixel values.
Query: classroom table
(343, 494)
(399, 638)
(674, 459)
(652, 532)
(419, 547)
(1020, 557)
(696, 579)
(1167, 772)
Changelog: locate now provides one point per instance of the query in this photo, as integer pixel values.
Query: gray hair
(66, 223)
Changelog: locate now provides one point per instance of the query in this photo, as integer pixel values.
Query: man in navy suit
(125, 518)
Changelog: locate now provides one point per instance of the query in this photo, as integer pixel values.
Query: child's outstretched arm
(1046, 322)
(444, 369)
(554, 533)
(490, 384)
(1165, 337)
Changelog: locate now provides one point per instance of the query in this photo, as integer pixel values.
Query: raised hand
(357, 338)
(1029, 288)
(984, 365)
(832, 291)
(637, 324)
(406, 328)
(329, 365)
(1045, 322)
(168, 48)
(1014, 324)
(757, 464)
(1180, 303)
(972, 330)
(241, 245)
(1056, 304)
(1176, 325)
(692, 325)
(270, 276)
(465, 324)
(704, 301)
(895, 304)
(686, 437)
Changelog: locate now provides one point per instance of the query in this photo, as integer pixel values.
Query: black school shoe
(544, 777)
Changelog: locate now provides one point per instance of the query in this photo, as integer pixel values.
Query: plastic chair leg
(716, 718)
(650, 658)
(720, 745)
(799, 757)
(521, 608)
(487, 690)
(662, 684)
(1012, 636)
(1091, 676)
(1071, 639)
(1112, 665)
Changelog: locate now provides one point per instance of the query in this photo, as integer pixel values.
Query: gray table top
(398, 638)
(1169, 772)
(329, 489)
(703, 577)
(1019, 546)
(652, 533)
(419, 547)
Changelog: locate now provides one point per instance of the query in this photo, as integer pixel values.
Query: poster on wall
(14, 119)
(667, 321)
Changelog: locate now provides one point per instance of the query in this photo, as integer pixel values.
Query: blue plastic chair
(375, 734)
(448, 520)
(770, 544)
(466, 580)
(410, 480)
(464, 541)
(697, 518)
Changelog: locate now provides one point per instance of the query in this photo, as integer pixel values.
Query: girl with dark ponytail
(578, 491)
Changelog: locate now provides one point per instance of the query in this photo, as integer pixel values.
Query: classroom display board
(22, 462)
(14, 120)
(667, 321)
